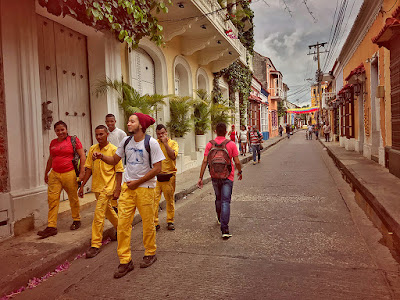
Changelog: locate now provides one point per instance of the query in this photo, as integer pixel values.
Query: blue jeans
(256, 151)
(223, 192)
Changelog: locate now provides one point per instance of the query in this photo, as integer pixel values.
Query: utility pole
(319, 74)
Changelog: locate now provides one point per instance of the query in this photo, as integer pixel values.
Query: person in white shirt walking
(115, 135)
(327, 131)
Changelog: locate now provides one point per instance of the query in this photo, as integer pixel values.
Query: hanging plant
(129, 20)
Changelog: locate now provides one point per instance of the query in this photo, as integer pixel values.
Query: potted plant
(201, 117)
(129, 99)
(180, 122)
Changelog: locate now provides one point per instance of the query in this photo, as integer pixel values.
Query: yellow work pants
(58, 182)
(143, 199)
(168, 188)
(103, 210)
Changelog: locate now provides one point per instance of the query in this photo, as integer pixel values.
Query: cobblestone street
(297, 234)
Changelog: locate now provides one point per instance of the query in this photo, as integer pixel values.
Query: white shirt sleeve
(156, 152)
(121, 151)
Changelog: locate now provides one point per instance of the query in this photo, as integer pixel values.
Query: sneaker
(75, 225)
(254, 162)
(157, 227)
(171, 226)
(92, 252)
(124, 269)
(218, 221)
(48, 231)
(148, 260)
(226, 235)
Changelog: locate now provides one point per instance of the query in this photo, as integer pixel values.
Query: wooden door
(64, 81)
(142, 74)
(395, 92)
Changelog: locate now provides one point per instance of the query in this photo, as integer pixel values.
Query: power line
(287, 8)
(309, 11)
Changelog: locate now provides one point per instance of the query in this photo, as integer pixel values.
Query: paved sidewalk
(25, 257)
(377, 191)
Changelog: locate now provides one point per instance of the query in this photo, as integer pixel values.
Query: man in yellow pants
(166, 179)
(106, 185)
(143, 156)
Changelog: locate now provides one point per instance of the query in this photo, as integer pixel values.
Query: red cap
(145, 120)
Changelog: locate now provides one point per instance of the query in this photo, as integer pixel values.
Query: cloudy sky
(285, 39)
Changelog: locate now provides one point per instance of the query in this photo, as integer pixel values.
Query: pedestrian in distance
(243, 139)
(106, 186)
(255, 139)
(316, 131)
(166, 179)
(288, 130)
(327, 131)
(142, 155)
(64, 151)
(218, 155)
(310, 130)
(280, 130)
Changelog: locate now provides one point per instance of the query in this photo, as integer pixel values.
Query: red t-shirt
(62, 154)
(233, 136)
(232, 151)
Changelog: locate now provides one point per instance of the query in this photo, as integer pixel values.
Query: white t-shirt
(137, 160)
(243, 136)
(116, 136)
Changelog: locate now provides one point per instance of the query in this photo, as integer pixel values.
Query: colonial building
(272, 79)
(51, 68)
(258, 107)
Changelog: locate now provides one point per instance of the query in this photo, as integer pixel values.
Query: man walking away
(327, 131)
(310, 131)
(280, 130)
(218, 155)
(106, 185)
(288, 129)
(142, 155)
(166, 178)
(255, 141)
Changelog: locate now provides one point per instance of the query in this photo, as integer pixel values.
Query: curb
(390, 228)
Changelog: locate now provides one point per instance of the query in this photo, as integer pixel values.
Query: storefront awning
(390, 30)
(357, 71)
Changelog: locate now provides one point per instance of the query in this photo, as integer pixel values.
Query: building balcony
(202, 28)
(326, 98)
(276, 93)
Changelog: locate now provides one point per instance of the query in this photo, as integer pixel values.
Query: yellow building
(363, 84)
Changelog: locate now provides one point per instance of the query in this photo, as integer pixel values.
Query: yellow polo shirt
(168, 165)
(103, 175)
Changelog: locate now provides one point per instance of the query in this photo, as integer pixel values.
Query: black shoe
(75, 225)
(157, 227)
(171, 226)
(226, 235)
(92, 252)
(124, 269)
(148, 261)
(48, 231)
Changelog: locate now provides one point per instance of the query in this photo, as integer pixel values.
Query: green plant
(129, 99)
(220, 113)
(180, 123)
(201, 112)
(129, 20)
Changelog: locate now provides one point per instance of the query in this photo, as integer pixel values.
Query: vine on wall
(129, 20)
